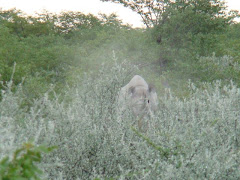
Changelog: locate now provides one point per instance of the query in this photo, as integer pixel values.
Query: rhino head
(143, 99)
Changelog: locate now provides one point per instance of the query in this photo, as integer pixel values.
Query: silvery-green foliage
(193, 138)
(221, 63)
(206, 130)
(90, 130)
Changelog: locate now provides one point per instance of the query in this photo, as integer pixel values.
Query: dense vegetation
(60, 75)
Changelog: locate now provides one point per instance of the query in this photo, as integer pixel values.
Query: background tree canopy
(181, 22)
(49, 48)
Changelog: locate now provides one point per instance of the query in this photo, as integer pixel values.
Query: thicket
(50, 49)
(60, 80)
(186, 30)
(196, 137)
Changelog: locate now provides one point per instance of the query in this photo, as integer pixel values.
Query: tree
(68, 22)
(156, 12)
(151, 11)
(22, 25)
(181, 22)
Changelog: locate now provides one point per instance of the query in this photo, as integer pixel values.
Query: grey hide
(139, 97)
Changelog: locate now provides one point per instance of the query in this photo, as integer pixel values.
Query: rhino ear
(131, 90)
(151, 88)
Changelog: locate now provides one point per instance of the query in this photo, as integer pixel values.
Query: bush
(196, 137)
(209, 69)
(22, 165)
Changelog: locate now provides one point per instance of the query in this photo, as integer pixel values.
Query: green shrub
(23, 163)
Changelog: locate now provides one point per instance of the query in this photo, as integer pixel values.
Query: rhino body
(139, 97)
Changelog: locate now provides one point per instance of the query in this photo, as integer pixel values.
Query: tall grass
(193, 138)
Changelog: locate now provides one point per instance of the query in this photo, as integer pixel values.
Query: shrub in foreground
(22, 165)
(195, 137)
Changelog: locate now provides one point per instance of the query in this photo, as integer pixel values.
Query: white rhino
(139, 97)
